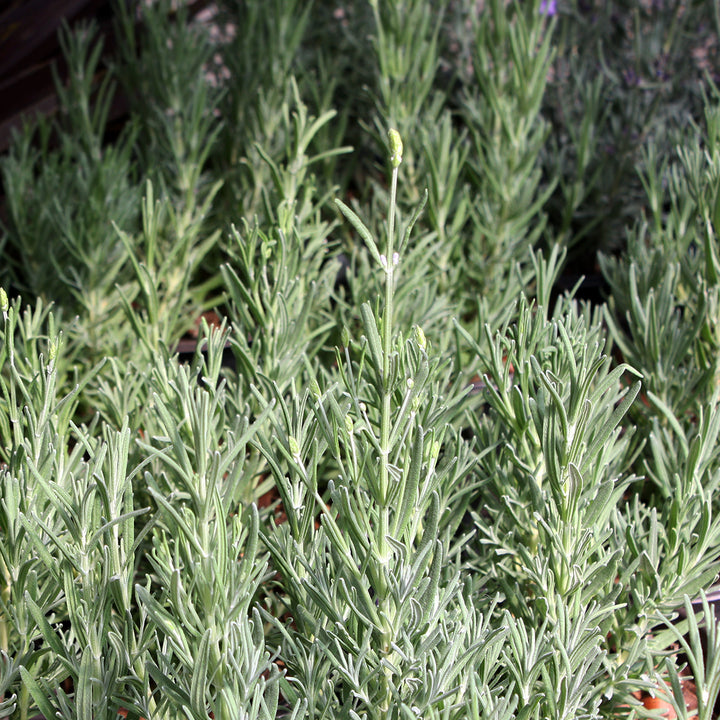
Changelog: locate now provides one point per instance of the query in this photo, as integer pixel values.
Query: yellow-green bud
(315, 389)
(4, 304)
(435, 451)
(294, 447)
(349, 425)
(396, 147)
(420, 337)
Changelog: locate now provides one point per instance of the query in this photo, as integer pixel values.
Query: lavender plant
(624, 74)
(164, 67)
(662, 313)
(393, 627)
(165, 299)
(205, 570)
(82, 631)
(512, 53)
(259, 59)
(406, 44)
(403, 500)
(279, 282)
(62, 200)
(27, 381)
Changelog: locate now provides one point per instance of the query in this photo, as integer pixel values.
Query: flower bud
(435, 451)
(396, 147)
(4, 304)
(294, 447)
(420, 337)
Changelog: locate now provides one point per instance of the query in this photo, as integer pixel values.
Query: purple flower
(548, 7)
(631, 78)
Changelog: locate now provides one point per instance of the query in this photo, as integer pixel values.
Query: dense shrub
(413, 464)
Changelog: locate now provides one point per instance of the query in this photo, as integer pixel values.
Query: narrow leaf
(364, 233)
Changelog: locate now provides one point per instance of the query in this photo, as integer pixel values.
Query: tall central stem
(387, 332)
(389, 263)
(384, 550)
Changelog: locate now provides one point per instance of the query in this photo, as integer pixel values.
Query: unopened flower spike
(435, 451)
(420, 337)
(4, 303)
(294, 447)
(396, 147)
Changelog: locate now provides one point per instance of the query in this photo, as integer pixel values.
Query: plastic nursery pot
(658, 704)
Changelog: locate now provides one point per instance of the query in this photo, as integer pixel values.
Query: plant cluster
(408, 473)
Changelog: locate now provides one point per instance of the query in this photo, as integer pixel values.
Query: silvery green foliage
(665, 290)
(662, 318)
(406, 50)
(383, 625)
(549, 411)
(68, 541)
(624, 77)
(260, 60)
(501, 107)
(62, 198)
(420, 300)
(34, 421)
(338, 571)
(165, 256)
(274, 303)
(106, 241)
(80, 635)
(481, 132)
(702, 659)
(279, 280)
(466, 539)
(165, 66)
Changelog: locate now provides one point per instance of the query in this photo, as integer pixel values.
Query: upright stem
(387, 335)
(388, 261)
